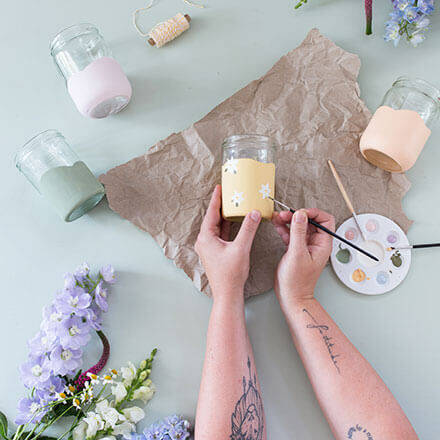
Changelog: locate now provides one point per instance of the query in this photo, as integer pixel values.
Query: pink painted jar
(400, 127)
(96, 82)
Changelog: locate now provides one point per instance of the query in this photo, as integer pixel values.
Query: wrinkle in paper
(309, 103)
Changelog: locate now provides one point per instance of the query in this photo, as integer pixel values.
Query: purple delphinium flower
(82, 271)
(40, 344)
(75, 301)
(65, 361)
(29, 410)
(54, 386)
(170, 428)
(108, 274)
(409, 18)
(74, 332)
(35, 372)
(66, 327)
(101, 297)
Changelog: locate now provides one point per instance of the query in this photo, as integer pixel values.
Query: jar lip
(421, 85)
(29, 147)
(69, 33)
(266, 140)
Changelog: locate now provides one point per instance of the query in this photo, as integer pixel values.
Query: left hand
(226, 262)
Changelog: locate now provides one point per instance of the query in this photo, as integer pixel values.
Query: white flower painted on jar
(231, 166)
(237, 198)
(265, 191)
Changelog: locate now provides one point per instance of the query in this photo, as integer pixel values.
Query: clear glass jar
(95, 80)
(248, 176)
(57, 173)
(400, 127)
(75, 47)
(417, 95)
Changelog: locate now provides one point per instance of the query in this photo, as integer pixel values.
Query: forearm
(354, 399)
(229, 398)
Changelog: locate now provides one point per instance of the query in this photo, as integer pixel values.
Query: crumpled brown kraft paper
(309, 103)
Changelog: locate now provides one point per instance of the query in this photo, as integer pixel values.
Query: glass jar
(248, 176)
(95, 80)
(57, 173)
(401, 126)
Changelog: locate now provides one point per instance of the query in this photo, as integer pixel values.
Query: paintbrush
(323, 228)
(413, 246)
(345, 196)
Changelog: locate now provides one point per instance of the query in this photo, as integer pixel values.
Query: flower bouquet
(409, 19)
(99, 405)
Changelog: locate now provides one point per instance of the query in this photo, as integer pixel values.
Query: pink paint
(100, 89)
(350, 234)
(394, 139)
(371, 226)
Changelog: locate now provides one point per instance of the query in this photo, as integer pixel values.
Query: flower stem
(368, 16)
(83, 378)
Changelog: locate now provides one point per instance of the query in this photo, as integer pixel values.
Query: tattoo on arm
(323, 329)
(247, 419)
(359, 433)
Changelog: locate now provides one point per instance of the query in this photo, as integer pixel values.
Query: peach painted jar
(400, 127)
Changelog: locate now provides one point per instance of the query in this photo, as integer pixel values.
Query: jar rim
(69, 33)
(420, 85)
(29, 147)
(266, 140)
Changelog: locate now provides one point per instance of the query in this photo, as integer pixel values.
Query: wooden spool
(153, 43)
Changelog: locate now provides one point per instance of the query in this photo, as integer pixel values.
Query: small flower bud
(143, 375)
(143, 365)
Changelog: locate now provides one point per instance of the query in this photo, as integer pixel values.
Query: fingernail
(300, 217)
(255, 215)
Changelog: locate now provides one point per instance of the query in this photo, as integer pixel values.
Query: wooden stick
(345, 196)
(414, 246)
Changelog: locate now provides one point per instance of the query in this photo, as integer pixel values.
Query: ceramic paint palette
(362, 274)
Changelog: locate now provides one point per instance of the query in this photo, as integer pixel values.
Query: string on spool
(164, 32)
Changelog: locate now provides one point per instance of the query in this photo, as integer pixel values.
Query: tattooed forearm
(359, 433)
(327, 339)
(248, 419)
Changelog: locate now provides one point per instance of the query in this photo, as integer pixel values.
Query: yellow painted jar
(248, 176)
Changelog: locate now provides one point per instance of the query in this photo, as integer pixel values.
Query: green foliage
(3, 426)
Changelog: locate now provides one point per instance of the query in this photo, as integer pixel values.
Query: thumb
(248, 229)
(298, 231)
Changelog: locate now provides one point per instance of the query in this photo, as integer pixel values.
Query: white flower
(79, 433)
(265, 191)
(231, 166)
(108, 437)
(124, 429)
(119, 391)
(94, 424)
(144, 393)
(93, 378)
(128, 373)
(108, 378)
(76, 403)
(134, 414)
(237, 198)
(110, 415)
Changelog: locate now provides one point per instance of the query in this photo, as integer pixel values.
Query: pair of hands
(227, 262)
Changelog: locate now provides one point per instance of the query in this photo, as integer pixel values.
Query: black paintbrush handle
(415, 246)
(323, 228)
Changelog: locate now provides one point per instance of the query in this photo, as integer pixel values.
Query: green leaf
(3, 426)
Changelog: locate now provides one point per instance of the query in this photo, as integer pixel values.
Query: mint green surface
(154, 304)
(71, 190)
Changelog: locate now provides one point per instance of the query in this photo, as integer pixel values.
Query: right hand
(308, 251)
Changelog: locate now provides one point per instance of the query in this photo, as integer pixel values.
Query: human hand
(226, 262)
(308, 251)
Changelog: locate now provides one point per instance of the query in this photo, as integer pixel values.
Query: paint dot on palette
(372, 225)
(374, 248)
(382, 278)
(351, 234)
(392, 237)
(343, 255)
(358, 276)
(396, 259)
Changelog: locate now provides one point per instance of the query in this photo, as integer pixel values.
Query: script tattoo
(247, 419)
(359, 433)
(323, 329)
